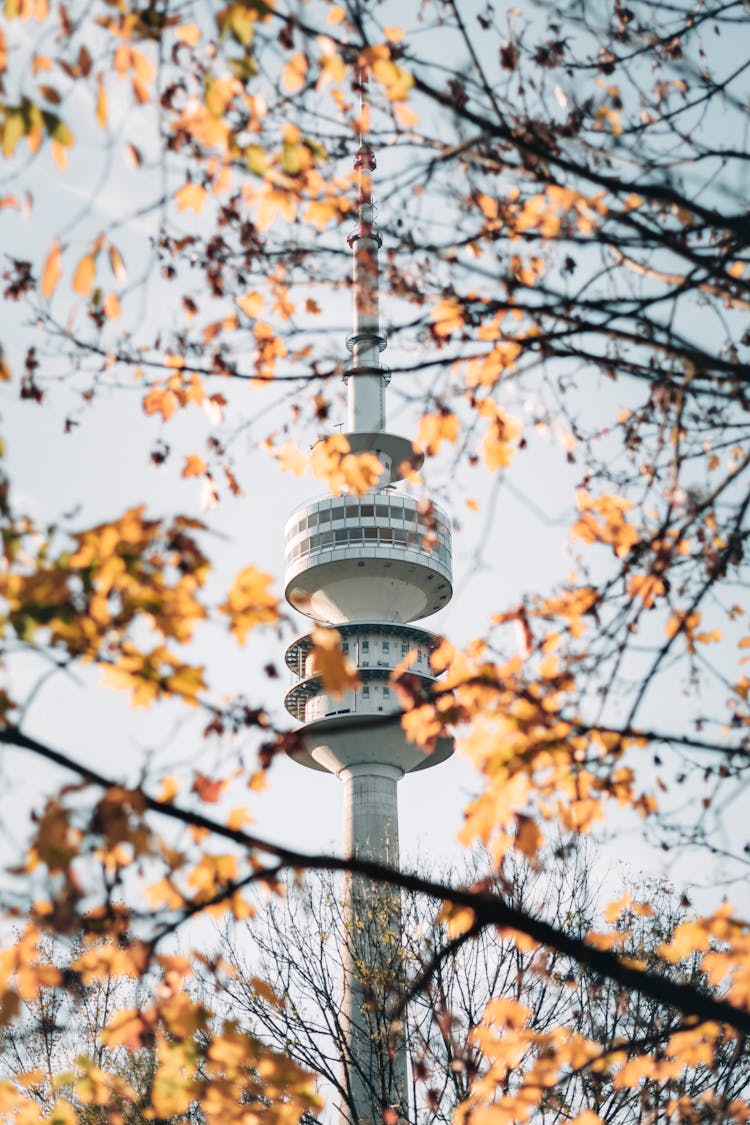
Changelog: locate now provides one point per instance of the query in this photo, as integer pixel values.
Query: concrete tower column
(374, 1061)
(371, 811)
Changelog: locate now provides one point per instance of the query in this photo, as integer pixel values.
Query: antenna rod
(365, 376)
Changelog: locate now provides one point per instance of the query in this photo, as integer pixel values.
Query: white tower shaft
(375, 1055)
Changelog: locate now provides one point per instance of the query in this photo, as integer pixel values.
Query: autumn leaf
(160, 400)
(52, 270)
(342, 470)
(291, 459)
(83, 278)
(448, 316)
(208, 789)
(194, 466)
(335, 670)
(101, 104)
(188, 33)
(458, 919)
(250, 603)
(528, 837)
(434, 429)
(129, 1028)
(648, 587)
(191, 197)
(294, 73)
(111, 306)
(251, 304)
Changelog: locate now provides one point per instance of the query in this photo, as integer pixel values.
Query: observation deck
(379, 557)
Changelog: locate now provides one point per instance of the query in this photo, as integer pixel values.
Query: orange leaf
(335, 670)
(251, 304)
(128, 1028)
(194, 466)
(294, 73)
(83, 278)
(189, 33)
(208, 789)
(160, 401)
(101, 104)
(52, 270)
(434, 429)
(191, 196)
(111, 306)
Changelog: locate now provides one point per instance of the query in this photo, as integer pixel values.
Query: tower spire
(367, 378)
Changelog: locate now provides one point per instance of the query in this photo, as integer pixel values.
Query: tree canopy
(563, 204)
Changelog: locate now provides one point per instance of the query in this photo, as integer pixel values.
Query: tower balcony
(363, 724)
(379, 557)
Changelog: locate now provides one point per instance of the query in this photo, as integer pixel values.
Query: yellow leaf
(294, 73)
(736, 269)
(250, 603)
(52, 270)
(191, 196)
(335, 14)
(434, 429)
(83, 278)
(335, 670)
(394, 34)
(62, 1113)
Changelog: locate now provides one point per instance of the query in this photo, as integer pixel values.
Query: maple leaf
(131, 1028)
(343, 471)
(160, 400)
(250, 603)
(208, 789)
(448, 316)
(194, 466)
(434, 429)
(335, 670)
(648, 587)
(191, 197)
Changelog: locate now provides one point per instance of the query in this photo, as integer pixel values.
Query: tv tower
(368, 566)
